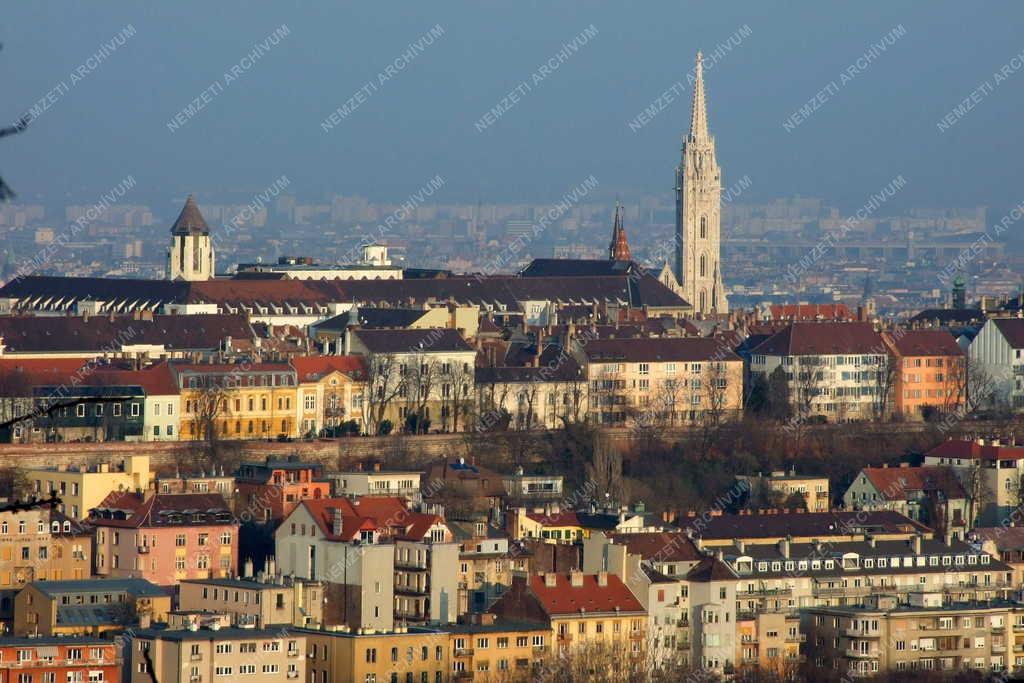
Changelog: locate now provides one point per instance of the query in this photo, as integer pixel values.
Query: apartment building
(920, 632)
(837, 371)
(270, 490)
(930, 369)
(489, 649)
(579, 608)
(81, 488)
(932, 495)
(769, 640)
(88, 607)
(770, 526)
(217, 654)
(386, 561)
(332, 391)
(39, 544)
(375, 482)
(998, 352)
(788, 576)
(165, 537)
(52, 659)
(343, 655)
(239, 401)
(487, 562)
(260, 601)
(416, 376)
(782, 486)
(713, 615)
(543, 395)
(653, 566)
(671, 381)
(988, 467)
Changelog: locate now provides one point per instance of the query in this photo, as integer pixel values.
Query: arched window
(703, 227)
(703, 299)
(703, 265)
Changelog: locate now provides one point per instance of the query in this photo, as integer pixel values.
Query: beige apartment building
(784, 485)
(37, 545)
(403, 654)
(219, 655)
(670, 381)
(919, 633)
(82, 488)
(260, 601)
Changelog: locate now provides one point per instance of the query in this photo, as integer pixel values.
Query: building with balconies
(919, 631)
(205, 655)
(60, 658)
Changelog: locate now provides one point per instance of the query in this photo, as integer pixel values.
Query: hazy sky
(878, 124)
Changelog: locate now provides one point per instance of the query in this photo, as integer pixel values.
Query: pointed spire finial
(699, 112)
(618, 250)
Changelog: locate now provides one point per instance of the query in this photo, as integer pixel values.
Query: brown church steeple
(618, 250)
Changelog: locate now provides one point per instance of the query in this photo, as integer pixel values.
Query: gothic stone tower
(191, 254)
(698, 212)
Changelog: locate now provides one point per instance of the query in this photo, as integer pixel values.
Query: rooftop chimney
(550, 579)
(576, 579)
(602, 579)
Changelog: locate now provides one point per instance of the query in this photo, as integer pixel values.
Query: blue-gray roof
(136, 587)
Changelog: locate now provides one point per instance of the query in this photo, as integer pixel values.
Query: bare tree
(884, 388)
(421, 375)
(978, 493)
(384, 384)
(977, 386)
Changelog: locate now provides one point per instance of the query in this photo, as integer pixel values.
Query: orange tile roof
(972, 450)
(312, 368)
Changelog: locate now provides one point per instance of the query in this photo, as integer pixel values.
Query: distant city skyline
(511, 105)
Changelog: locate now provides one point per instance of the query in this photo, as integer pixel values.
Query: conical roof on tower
(699, 112)
(618, 250)
(190, 220)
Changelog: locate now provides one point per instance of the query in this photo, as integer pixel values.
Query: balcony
(195, 658)
(798, 638)
(998, 648)
(143, 549)
(195, 679)
(858, 633)
(294, 653)
(463, 675)
(412, 590)
(463, 652)
(857, 654)
(293, 674)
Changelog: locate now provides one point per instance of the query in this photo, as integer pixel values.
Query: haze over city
(511, 342)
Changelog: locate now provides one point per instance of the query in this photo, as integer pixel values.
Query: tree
(15, 483)
(978, 386)
(384, 384)
(884, 386)
(978, 493)
(780, 406)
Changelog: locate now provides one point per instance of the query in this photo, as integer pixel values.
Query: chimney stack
(576, 579)
(602, 579)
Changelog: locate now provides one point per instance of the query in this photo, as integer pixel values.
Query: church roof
(618, 250)
(190, 220)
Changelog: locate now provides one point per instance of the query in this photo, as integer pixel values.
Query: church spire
(618, 250)
(699, 113)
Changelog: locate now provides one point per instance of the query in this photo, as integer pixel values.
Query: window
(116, 410)
(135, 410)
(223, 670)
(80, 410)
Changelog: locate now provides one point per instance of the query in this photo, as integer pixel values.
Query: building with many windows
(837, 371)
(88, 607)
(81, 488)
(165, 537)
(921, 632)
(209, 655)
(59, 660)
(39, 544)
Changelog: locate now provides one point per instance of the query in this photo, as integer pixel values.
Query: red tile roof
(152, 512)
(823, 339)
(656, 350)
(312, 368)
(899, 483)
(810, 312)
(972, 450)
(156, 380)
(565, 599)
(664, 546)
(712, 569)
(386, 514)
(21, 374)
(924, 343)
